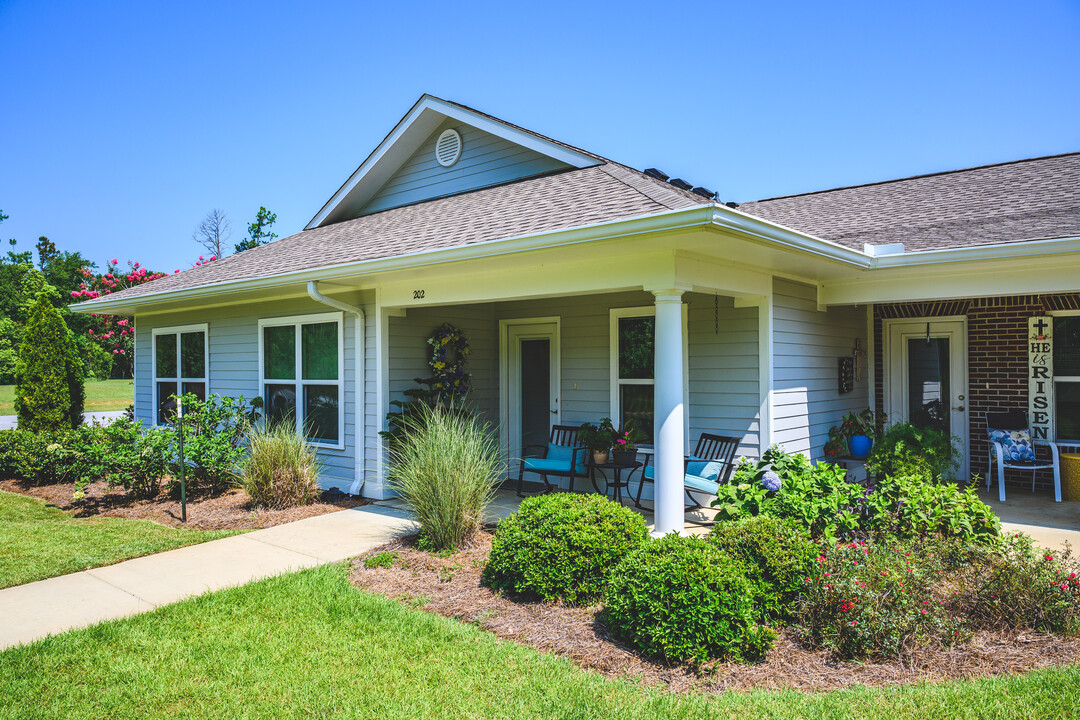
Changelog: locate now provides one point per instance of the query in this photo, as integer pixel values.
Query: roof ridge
(657, 191)
(914, 177)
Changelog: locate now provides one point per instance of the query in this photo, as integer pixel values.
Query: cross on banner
(1040, 325)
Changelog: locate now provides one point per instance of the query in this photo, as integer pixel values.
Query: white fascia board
(778, 235)
(415, 127)
(1017, 250)
(657, 222)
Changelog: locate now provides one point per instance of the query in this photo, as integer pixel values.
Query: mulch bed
(231, 510)
(450, 586)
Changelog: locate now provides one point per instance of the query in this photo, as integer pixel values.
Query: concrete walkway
(47, 607)
(10, 422)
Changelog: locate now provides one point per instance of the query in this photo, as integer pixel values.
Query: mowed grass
(310, 644)
(39, 541)
(101, 396)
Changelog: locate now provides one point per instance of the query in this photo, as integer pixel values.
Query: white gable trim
(410, 133)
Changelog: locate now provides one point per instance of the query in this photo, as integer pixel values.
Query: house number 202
(417, 294)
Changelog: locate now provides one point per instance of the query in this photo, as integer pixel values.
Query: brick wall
(997, 361)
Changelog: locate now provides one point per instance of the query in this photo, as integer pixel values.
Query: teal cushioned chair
(563, 457)
(705, 470)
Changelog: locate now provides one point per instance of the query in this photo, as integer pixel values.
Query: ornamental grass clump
(682, 599)
(562, 546)
(282, 468)
(446, 467)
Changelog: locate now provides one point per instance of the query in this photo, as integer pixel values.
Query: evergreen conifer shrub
(49, 390)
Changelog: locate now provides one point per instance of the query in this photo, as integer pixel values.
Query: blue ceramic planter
(860, 445)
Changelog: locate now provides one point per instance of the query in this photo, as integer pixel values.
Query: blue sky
(122, 124)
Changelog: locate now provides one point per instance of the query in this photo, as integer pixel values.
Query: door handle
(960, 409)
(554, 412)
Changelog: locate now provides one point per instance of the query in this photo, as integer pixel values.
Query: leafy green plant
(562, 546)
(383, 559)
(281, 469)
(863, 599)
(777, 552)
(446, 468)
(866, 422)
(911, 450)
(599, 437)
(683, 599)
(49, 392)
(918, 507)
(214, 433)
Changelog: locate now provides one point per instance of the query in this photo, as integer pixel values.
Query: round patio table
(617, 482)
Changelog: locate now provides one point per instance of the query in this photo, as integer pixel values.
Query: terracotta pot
(599, 458)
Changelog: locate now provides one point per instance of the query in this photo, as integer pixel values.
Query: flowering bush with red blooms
(1020, 585)
(863, 600)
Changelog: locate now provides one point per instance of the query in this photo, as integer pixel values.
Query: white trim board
(177, 330)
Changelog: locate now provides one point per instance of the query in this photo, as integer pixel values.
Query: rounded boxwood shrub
(562, 546)
(777, 553)
(683, 599)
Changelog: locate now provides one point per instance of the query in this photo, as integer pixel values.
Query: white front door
(926, 379)
(530, 383)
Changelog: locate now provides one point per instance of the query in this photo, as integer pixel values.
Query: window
(181, 361)
(1067, 377)
(301, 360)
(634, 377)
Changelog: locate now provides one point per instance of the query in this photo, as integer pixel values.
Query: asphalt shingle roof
(587, 196)
(1012, 202)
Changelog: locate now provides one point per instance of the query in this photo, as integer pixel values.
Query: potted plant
(855, 434)
(598, 438)
(624, 446)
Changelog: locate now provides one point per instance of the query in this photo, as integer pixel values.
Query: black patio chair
(1007, 431)
(562, 457)
(718, 449)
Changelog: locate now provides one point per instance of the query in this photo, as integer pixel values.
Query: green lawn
(101, 395)
(38, 540)
(309, 644)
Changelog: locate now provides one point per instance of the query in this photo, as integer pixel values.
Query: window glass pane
(197, 388)
(280, 404)
(636, 407)
(928, 383)
(166, 406)
(1066, 346)
(320, 351)
(1067, 410)
(636, 348)
(165, 351)
(279, 352)
(321, 412)
(193, 355)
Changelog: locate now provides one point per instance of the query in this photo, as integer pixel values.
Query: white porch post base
(668, 407)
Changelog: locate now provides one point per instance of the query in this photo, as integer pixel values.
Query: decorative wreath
(450, 351)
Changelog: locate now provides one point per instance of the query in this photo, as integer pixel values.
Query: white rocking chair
(1004, 456)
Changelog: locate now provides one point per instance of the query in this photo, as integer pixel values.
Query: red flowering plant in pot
(855, 434)
(624, 445)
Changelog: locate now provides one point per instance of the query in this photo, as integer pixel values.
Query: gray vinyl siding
(234, 366)
(485, 160)
(806, 345)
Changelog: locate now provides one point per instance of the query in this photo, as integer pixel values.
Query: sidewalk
(10, 422)
(47, 607)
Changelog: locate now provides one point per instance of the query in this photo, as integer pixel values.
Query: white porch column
(669, 410)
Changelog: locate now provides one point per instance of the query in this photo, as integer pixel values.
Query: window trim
(616, 314)
(177, 330)
(298, 321)
(1072, 379)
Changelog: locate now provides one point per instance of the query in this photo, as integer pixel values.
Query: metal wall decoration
(1041, 377)
(846, 372)
(857, 355)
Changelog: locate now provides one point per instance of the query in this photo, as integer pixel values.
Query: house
(770, 319)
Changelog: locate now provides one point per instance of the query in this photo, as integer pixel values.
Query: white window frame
(1062, 379)
(616, 314)
(177, 330)
(298, 321)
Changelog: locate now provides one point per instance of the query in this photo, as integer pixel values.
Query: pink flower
(90, 331)
(115, 352)
(114, 261)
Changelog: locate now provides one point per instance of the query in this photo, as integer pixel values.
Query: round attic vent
(448, 148)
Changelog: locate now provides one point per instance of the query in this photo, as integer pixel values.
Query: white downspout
(359, 411)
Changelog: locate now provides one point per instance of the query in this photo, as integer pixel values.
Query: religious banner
(1041, 377)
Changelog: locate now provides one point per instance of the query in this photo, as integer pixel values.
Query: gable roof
(574, 198)
(1018, 201)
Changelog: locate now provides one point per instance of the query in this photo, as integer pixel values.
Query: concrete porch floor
(1051, 524)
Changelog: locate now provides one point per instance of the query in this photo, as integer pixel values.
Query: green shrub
(776, 552)
(446, 468)
(562, 546)
(49, 391)
(683, 599)
(869, 600)
(134, 458)
(282, 468)
(214, 433)
(909, 450)
(97, 360)
(917, 507)
(1016, 584)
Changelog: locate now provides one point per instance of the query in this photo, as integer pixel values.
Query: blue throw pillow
(708, 469)
(560, 453)
(1015, 444)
